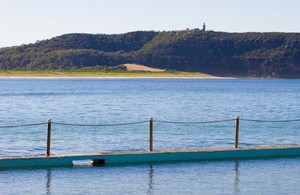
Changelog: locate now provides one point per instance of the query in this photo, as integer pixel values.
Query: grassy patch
(21, 73)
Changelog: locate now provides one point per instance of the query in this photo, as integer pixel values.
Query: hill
(216, 53)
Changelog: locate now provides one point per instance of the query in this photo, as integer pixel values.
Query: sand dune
(137, 67)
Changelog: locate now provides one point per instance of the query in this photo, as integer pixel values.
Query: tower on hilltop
(203, 29)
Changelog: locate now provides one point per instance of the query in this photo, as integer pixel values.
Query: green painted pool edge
(154, 156)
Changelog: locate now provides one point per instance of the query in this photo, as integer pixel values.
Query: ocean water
(104, 102)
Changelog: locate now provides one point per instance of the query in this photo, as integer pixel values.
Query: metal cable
(193, 123)
(271, 121)
(146, 121)
(99, 125)
(26, 125)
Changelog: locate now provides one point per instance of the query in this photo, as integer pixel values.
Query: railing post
(151, 134)
(237, 124)
(48, 137)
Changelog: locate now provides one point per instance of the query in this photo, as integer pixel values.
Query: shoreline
(108, 77)
(102, 75)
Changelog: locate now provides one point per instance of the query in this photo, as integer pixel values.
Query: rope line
(147, 121)
(26, 125)
(271, 121)
(99, 125)
(193, 123)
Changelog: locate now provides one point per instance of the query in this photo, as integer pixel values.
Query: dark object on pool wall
(98, 162)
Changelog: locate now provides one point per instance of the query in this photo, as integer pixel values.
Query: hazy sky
(26, 21)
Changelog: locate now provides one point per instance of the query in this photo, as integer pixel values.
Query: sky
(28, 21)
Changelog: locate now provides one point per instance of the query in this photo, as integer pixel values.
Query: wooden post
(151, 134)
(48, 137)
(237, 124)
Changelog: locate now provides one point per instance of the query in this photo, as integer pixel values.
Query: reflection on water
(49, 180)
(269, 176)
(150, 179)
(236, 178)
(151, 169)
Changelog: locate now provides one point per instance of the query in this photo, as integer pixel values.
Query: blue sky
(26, 21)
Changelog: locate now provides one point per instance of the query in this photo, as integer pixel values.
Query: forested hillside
(217, 53)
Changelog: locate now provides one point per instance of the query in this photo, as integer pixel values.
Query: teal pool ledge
(128, 157)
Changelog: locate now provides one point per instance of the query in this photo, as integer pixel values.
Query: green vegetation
(77, 73)
(216, 53)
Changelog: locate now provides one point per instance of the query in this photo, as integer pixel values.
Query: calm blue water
(107, 101)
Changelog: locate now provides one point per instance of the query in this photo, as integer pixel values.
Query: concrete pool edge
(127, 157)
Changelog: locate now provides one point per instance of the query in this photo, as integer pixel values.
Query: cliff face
(217, 53)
